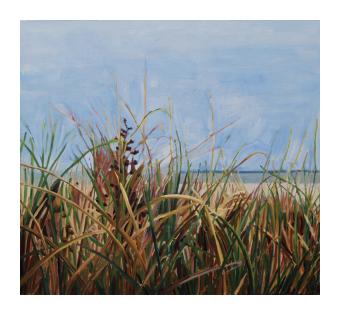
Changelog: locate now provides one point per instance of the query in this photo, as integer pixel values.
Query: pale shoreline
(251, 187)
(236, 187)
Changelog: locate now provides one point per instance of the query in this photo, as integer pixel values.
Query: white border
(14, 11)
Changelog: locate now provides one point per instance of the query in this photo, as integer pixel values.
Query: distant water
(251, 177)
(247, 177)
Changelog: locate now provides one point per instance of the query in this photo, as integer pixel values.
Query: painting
(169, 157)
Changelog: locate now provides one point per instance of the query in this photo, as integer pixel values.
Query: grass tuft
(119, 221)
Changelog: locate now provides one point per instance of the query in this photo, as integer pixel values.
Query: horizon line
(253, 171)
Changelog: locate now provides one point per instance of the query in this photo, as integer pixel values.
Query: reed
(127, 225)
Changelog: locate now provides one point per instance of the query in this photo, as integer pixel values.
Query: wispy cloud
(264, 74)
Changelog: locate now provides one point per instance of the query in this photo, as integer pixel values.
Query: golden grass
(130, 228)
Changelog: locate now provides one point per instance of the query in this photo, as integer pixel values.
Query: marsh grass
(126, 225)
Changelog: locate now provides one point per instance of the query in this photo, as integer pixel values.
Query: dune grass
(119, 223)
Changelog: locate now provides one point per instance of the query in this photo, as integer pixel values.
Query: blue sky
(264, 75)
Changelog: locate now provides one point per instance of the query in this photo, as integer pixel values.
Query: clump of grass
(128, 227)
